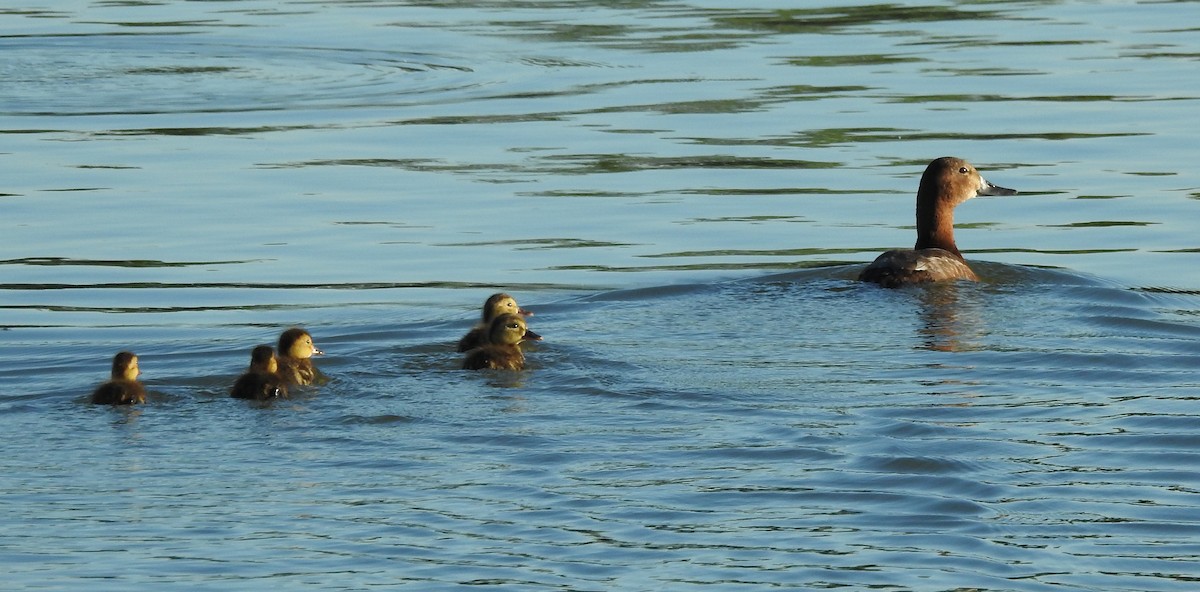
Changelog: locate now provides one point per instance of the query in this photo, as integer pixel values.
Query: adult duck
(947, 182)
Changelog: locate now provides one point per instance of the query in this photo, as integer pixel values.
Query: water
(683, 193)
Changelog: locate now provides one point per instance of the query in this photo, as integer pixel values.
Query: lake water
(683, 193)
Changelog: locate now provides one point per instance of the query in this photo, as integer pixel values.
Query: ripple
(114, 74)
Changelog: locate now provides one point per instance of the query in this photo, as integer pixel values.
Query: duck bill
(317, 352)
(986, 188)
(524, 313)
(530, 336)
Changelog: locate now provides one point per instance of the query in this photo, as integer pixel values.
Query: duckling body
(496, 305)
(296, 350)
(261, 380)
(123, 388)
(946, 183)
(119, 392)
(503, 349)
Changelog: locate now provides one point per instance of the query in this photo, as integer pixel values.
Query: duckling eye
(962, 170)
(513, 326)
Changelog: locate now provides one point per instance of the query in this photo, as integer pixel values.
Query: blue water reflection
(683, 193)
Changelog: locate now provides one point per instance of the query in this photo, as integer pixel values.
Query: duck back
(902, 267)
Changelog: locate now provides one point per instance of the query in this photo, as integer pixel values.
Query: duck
(294, 359)
(123, 388)
(947, 182)
(496, 305)
(261, 380)
(503, 348)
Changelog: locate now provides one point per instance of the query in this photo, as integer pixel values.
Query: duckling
(503, 349)
(261, 380)
(123, 388)
(496, 305)
(947, 182)
(296, 350)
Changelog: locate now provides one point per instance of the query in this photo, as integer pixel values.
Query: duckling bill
(946, 183)
(503, 349)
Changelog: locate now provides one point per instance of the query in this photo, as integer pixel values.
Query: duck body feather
(900, 267)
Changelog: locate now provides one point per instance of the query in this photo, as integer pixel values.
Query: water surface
(683, 192)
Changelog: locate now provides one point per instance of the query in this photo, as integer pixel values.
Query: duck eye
(962, 170)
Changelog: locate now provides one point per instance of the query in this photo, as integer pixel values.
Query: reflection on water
(949, 323)
(685, 192)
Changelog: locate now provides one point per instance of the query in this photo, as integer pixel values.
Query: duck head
(947, 182)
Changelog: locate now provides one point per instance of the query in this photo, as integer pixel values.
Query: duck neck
(935, 228)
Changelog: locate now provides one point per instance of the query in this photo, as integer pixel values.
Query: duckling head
(298, 343)
(125, 366)
(501, 303)
(510, 329)
(262, 358)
